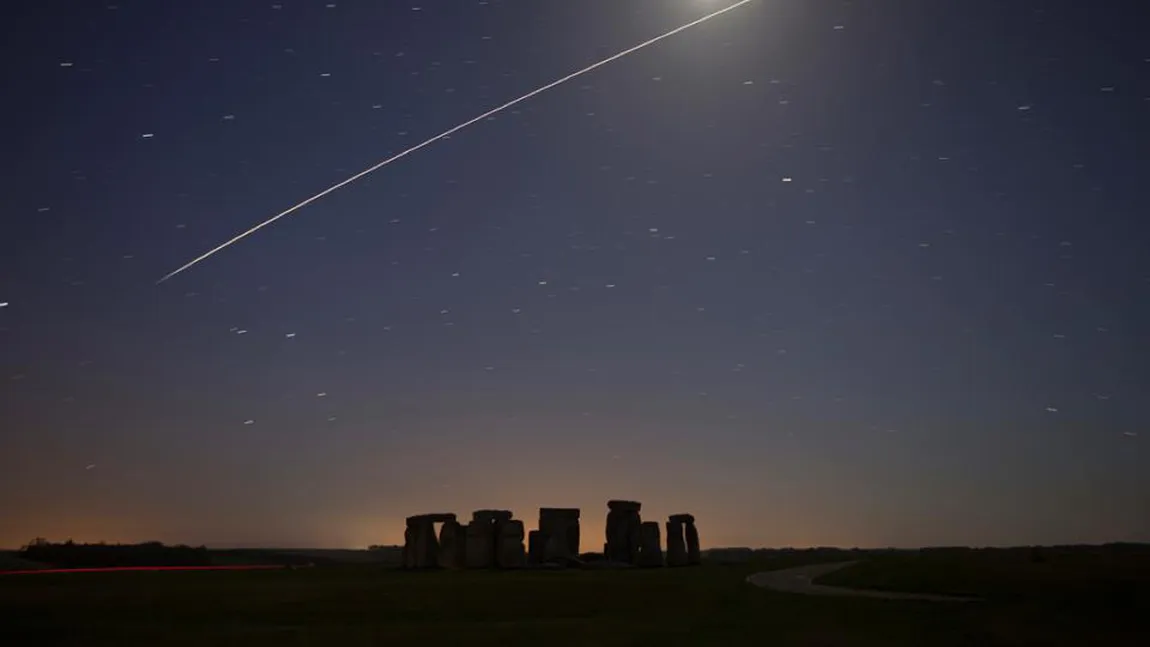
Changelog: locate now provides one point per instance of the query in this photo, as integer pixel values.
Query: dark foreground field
(709, 605)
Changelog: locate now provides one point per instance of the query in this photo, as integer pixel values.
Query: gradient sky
(819, 272)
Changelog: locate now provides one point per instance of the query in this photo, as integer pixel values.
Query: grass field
(1080, 572)
(709, 605)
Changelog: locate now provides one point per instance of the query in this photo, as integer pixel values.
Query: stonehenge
(494, 539)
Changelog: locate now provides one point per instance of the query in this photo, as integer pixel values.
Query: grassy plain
(357, 605)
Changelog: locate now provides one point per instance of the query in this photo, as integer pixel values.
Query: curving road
(802, 580)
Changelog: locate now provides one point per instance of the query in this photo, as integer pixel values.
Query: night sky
(819, 272)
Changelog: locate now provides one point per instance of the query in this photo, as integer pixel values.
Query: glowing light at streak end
(447, 133)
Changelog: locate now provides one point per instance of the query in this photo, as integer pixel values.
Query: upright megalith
(409, 545)
(694, 555)
(452, 545)
(682, 541)
(555, 549)
(480, 550)
(509, 551)
(676, 546)
(536, 547)
(493, 539)
(650, 548)
(482, 533)
(420, 546)
(559, 528)
(623, 531)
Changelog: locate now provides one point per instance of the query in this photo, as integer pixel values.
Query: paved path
(801, 580)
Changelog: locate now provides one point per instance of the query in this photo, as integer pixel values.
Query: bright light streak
(446, 133)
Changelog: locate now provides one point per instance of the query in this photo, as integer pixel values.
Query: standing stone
(536, 547)
(488, 525)
(650, 549)
(694, 555)
(509, 544)
(452, 545)
(555, 550)
(426, 545)
(560, 530)
(409, 545)
(634, 538)
(676, 547)
(480, 552)
(572, 536)
(623, 531)
(612, 549)
(420, 547)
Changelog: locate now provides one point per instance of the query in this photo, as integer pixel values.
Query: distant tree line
(73, 555)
